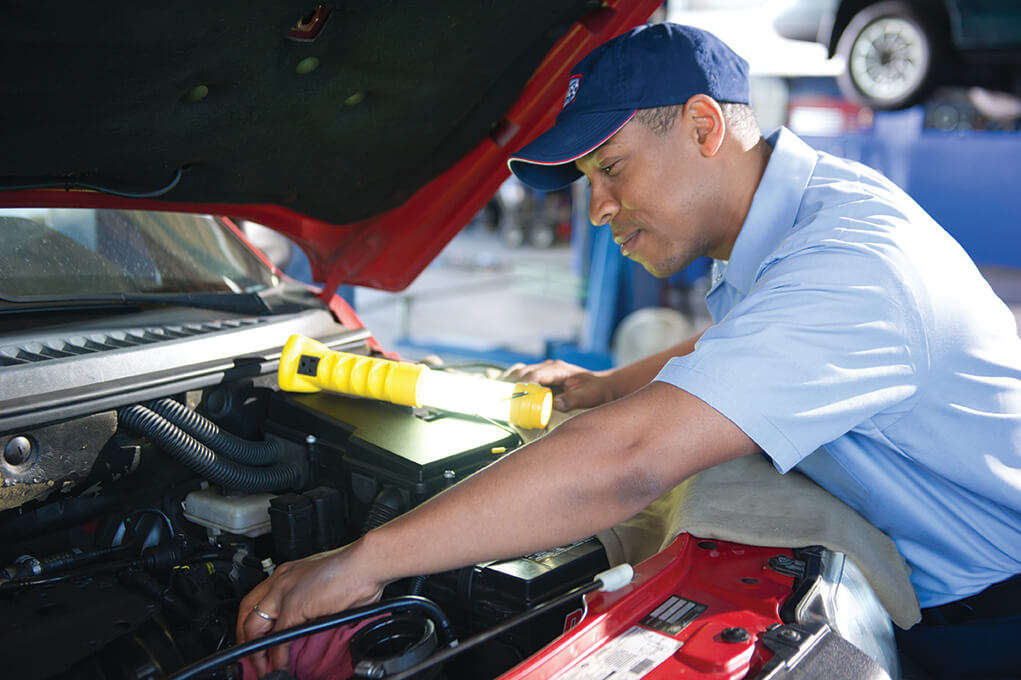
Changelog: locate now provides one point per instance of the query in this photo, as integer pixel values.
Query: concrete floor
(482, 295)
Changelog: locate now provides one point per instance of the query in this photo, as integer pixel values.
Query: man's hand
(573, 386)
(301, 591)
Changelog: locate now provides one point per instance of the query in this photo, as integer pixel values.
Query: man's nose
(601, 207)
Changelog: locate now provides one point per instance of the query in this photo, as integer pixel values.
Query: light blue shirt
(856, 341)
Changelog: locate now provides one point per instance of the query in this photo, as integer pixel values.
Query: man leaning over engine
(853, 339)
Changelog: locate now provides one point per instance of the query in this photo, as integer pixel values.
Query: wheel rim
(888, 59)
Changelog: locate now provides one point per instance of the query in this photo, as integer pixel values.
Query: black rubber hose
(140, 580)
(388, 504)
(187, 450)
(412, 604)
(417, 586)
(210, 434)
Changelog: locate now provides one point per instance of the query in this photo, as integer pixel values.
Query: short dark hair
(660, 119)
(741, 118)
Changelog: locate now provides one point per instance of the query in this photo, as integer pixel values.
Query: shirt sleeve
(824, 341)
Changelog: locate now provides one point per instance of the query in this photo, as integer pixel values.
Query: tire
(892, 55)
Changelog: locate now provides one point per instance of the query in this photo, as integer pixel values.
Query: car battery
(366, 447)
(478, 597)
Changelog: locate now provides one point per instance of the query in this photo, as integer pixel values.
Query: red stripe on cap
(583, 153)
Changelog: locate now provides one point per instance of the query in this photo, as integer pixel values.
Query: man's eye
(608, 170)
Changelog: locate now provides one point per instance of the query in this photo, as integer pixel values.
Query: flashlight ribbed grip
(381, 379)
(310, 366)
(307, 365)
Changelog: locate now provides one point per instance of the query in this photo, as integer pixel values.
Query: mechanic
(853, 339)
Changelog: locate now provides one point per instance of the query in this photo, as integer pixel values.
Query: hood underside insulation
(336, 110)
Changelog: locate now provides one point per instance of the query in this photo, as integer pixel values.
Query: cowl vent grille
(76, 345)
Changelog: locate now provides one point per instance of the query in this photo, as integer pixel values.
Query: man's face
(649, 190)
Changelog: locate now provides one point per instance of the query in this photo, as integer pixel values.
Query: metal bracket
(813, 650)
(787, 566)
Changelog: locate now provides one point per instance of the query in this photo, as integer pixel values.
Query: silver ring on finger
(263, 615)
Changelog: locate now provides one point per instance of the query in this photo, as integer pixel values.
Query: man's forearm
(594, 471)
(634, 376)
(533, 499)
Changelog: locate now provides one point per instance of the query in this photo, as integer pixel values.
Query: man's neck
(747, 170)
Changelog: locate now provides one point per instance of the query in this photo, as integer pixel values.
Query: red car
(152, 470)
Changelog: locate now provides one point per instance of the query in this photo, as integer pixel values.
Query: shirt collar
(774, 207)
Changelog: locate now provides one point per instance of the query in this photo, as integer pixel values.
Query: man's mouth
(625, 241)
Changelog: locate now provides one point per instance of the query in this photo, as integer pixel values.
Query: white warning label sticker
(629, 656)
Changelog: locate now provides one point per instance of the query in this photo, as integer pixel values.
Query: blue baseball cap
(652, 65)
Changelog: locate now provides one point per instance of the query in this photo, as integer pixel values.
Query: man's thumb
(577, 393)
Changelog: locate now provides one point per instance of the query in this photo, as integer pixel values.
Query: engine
(129, 536)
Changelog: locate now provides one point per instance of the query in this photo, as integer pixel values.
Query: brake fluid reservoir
(246, 515)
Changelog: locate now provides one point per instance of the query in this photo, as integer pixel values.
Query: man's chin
(661, 270)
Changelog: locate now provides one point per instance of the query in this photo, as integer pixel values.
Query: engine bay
(147, 486)
(143, 526)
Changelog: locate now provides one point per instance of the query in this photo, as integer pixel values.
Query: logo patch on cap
(572, 90)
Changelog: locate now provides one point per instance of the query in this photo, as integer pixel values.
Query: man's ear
(708, 126)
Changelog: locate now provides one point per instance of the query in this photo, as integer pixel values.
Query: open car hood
(368, 132)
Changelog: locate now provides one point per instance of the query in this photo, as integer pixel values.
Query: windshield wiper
(238, 303)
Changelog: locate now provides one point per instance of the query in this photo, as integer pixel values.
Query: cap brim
(548, 162)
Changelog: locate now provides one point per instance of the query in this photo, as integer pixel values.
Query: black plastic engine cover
(363, 446)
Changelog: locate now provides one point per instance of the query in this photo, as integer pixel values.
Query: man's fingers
(572, 399)
(259, 622)
(262, 621)
(260, 660)
(573, 394)
(257, 616)
(245, 610)
(582, 390)
(513, 372)
(281, 657)
(550, 372)
(295, 593)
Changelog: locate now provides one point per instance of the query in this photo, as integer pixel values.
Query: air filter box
(363, 446)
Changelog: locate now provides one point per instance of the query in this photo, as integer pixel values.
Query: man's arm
(592, 472)
(579, 388)
(637, 374)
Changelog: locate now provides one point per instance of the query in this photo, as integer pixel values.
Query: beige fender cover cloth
(747, 501)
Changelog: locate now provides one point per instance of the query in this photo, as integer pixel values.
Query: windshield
(54, 252)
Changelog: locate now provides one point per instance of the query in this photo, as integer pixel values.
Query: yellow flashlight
(307, 365)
